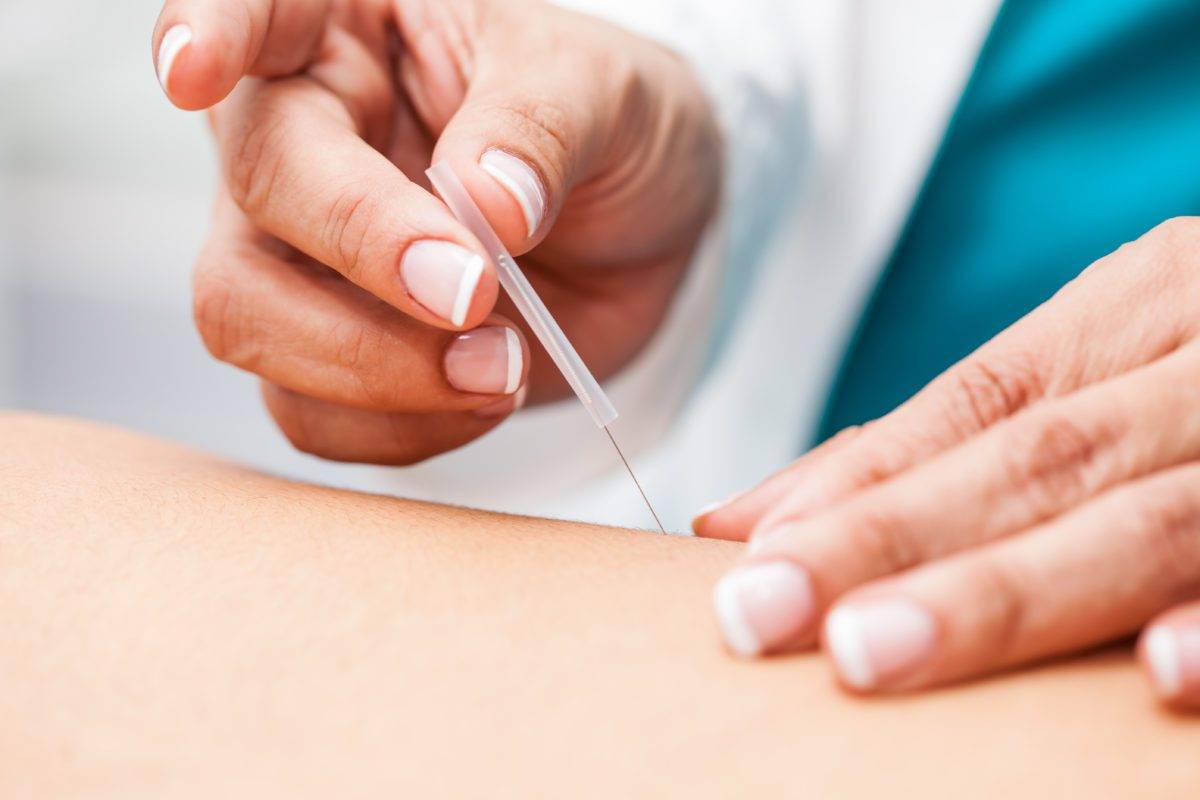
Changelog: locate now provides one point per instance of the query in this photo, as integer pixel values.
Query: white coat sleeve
(544, 459)
(748, 56)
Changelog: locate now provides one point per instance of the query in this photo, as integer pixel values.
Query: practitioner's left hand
(1040, 497)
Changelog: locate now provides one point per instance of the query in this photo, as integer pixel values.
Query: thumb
(202, 48)
(523, 138)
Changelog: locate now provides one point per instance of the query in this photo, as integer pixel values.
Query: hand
(333, 273)
(1040, 497)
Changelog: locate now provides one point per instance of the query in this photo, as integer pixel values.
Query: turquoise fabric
(1078, 131)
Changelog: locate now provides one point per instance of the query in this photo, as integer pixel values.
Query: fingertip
(522, 185)
(510, 195)
(719, 520)
(173, 42)
(489, 360)
(193, 70)
(1161, 658)
(483, 298)
(735, 517)
(878, 643)
(456, 287)
(1169, 651)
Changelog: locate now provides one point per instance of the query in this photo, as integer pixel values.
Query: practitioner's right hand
(332, 272)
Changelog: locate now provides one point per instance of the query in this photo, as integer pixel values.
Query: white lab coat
(832, 111)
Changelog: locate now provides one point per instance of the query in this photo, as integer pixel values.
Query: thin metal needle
(636, 483)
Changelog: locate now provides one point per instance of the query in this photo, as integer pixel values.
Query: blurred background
(104, 200)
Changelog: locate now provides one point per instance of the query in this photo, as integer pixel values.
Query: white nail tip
(737, 631)
(520, 182)
(1162, 654)
(848, 645)
(172, 44)
(472, 271)
(515, 360)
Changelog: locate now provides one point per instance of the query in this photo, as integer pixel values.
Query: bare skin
(175, 626)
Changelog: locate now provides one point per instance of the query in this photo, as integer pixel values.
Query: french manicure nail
(485, 361)
(172, 44)
(874, 642)
(442, 277)
(762, 607)
(1173, 653)
(519, 179)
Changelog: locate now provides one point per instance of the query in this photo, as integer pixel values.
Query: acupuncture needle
(539, 318)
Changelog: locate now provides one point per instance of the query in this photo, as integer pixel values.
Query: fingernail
(502, 408)
(442, 277)
(521, 182)
(485, 360)
(1163, 656)
(1172, 652)
(172, 43)
(875, 642)
(763, 607)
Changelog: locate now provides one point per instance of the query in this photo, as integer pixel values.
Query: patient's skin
(173, 626)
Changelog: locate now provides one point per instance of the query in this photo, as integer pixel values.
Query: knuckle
(846, 435)
(296, 424)
(1176, 234)
(255, 165)
(1004, 607)
(871, 465)
(860, 460)
(1165, 520)
(1167, 249)
(358, 349)
(218, 316)
(1051, 459)
(885, 537)
(984, 391)
(348, 228)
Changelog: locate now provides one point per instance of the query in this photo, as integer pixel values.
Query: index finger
(297, 167)
(202, 48)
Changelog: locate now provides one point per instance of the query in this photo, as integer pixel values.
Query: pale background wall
(104, 195)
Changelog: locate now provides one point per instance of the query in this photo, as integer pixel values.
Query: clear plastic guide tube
(580, 378)
(455, 195)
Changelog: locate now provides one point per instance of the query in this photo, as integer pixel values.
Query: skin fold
(172, 625)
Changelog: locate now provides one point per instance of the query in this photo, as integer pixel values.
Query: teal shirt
(1078, 131)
